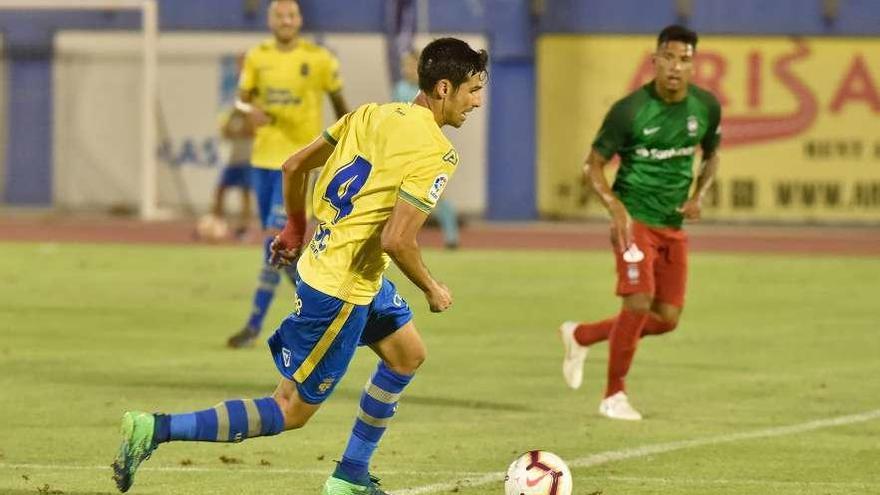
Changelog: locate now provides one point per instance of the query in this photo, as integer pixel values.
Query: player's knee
(667, 325)
(409, 363)
(637, 303)
(295, 416)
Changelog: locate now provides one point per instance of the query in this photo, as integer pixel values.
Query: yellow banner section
(800, 120)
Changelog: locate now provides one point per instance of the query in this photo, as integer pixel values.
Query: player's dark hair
(676, 32)
(452, 59)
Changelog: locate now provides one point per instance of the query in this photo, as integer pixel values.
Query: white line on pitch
(647, 450)
(473, 479)
(704, 481)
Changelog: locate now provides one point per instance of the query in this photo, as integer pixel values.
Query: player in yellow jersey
(385, 168)
(281, 89)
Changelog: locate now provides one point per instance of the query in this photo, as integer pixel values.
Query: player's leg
(229, 421)
(267, 186)
(636, 286)
(670, 274)
(246, 212)
(632, 278)
(238, 176)
(229, 177)
(391, 334)
(663, 318)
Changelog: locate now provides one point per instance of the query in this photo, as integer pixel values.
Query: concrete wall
(97, 108)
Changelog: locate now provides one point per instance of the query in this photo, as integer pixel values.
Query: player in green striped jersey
(655, 131)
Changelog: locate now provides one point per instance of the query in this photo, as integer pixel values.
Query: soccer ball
(211, 228)
(538, 472)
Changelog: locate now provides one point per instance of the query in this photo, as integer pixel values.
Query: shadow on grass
(235, 389)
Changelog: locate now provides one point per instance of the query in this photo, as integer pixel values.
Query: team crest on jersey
(304, 70)
(692, 125)
(437, 187)
(326, 384)
(632, 273)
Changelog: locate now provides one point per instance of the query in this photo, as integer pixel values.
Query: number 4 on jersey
(347, 182)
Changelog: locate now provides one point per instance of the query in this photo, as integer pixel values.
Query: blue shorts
(316, 342)
(270, 197)
(236, 175)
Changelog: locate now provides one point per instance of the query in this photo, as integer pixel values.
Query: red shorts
(663, 271)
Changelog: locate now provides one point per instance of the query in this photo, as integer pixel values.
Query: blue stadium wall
(510, 25)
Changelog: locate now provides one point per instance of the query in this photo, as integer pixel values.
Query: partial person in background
(405, 90)
(236, 128)
(280, 90)
(655, 130)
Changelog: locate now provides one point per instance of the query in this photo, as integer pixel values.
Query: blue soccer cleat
(137, 445)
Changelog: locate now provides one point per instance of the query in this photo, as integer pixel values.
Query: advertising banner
(800, 122)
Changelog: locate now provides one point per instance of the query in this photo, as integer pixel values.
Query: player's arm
(287, 245)
(594, 176)
(236, 125)
(337, 99)
(399, 241)
(692, 208)
(246, 105)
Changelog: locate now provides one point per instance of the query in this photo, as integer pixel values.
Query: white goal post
(148, 206)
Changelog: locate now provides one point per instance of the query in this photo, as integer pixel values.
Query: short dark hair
(452, 59)
(676, 32)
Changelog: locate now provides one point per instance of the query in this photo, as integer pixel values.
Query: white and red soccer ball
(538, 472)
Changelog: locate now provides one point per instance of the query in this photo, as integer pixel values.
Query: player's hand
(621, 226)
(691, 209)
(439, 298)
(258, 117)
(287, 246)
(284, 252)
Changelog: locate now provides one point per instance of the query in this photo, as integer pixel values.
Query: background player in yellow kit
(385, 168)
(281, 89)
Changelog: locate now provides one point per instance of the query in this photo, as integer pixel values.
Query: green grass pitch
(766, 342)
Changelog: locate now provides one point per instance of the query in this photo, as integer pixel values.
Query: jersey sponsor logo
(437, 187)
(451, 156)
(650, 130)
(319, 240)
(281, 96)
(658, 154)
(692, 126)
(285, 356)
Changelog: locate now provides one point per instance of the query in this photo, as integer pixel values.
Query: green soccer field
(770, 384)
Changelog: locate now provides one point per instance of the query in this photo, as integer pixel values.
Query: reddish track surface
(863, 241)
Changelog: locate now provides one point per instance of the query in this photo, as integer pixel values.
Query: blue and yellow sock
(378, 405)
(230, 421)
(268, 282)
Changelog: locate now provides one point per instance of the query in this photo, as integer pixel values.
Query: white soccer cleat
(617, 407)
(575, 354)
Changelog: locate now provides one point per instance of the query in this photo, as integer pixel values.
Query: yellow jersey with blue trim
(382, 153)
(289, 86)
